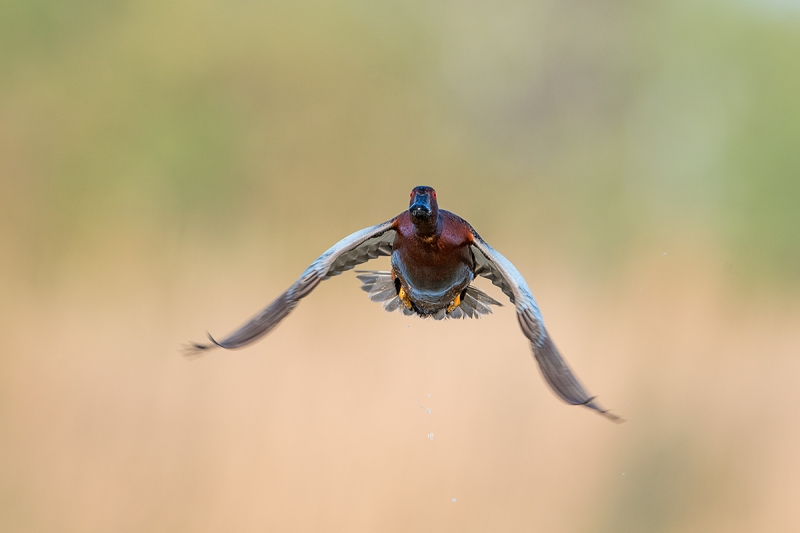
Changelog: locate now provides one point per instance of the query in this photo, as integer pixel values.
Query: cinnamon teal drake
(435, 256)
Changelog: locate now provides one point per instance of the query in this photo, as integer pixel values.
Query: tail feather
(380, 287)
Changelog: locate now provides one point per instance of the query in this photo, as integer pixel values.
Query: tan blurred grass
(323, 425)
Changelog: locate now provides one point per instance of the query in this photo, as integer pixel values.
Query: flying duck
(435, 256)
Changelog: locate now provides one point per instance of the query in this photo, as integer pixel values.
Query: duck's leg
(455, 303)
(404, 297)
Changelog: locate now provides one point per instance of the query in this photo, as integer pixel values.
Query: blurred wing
(358, 248)
(492, 265)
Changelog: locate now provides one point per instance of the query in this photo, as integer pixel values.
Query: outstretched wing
(353, 250)
(490, 264)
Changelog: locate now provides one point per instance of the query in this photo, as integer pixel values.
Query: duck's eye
(434, 195)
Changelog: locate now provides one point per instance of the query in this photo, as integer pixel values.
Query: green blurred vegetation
(597, 127)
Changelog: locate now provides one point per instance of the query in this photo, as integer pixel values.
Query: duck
(435, 257)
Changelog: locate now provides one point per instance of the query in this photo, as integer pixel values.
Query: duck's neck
(427, 230)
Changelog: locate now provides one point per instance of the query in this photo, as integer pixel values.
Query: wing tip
(591, 404)
(193, 350)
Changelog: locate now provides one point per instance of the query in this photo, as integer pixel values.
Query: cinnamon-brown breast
(433, 269)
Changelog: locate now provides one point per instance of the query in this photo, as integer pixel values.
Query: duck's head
(423, 208)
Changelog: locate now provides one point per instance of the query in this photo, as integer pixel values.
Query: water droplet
(665, 253)
(623, 473)
(429, 410)
(454, 500)
(430, 436)
(429, 395)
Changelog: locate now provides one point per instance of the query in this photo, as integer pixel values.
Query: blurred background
(169, 167)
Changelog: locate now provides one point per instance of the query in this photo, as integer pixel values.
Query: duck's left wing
(490, 264)
(353, 250)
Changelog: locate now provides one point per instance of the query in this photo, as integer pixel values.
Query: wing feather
(490, 264)
(351, 251)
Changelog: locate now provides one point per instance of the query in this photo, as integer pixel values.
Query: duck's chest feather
(433, 269)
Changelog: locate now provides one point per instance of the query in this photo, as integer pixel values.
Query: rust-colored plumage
(436, 268)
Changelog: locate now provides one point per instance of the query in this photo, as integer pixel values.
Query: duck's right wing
(491, 264)
(353, 250)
